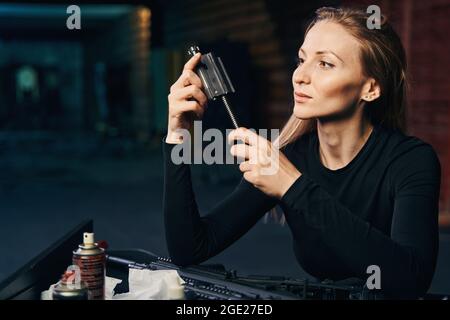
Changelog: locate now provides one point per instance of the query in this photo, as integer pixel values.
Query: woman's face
(329, 72)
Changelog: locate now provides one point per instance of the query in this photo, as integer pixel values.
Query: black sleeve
(192, 239)
(407, 257)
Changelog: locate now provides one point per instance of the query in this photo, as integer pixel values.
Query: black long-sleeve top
(380, 209)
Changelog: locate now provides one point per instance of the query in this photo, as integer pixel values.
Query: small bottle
(70, 288)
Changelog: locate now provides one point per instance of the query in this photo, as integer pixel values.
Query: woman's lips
(301, 97)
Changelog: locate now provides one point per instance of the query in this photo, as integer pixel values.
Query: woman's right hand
(185, 99)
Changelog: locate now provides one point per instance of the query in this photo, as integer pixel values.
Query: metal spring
(230, 113)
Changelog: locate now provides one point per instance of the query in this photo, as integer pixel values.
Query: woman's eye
(326, 65)
(299, 61)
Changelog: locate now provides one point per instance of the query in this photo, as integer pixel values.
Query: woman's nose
(301, 75)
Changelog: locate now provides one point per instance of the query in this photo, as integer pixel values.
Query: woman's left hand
(265, 166)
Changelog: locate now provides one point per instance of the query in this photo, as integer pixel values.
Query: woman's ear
(371, 90)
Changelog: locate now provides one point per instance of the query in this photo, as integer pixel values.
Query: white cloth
(143, 285)
(152, 285)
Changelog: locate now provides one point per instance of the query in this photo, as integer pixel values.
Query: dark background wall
(60, 64)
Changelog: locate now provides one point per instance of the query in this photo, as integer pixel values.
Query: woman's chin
(303, 112)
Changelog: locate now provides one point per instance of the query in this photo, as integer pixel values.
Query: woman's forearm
(181, 217)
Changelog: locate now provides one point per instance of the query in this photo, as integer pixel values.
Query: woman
(355, 190)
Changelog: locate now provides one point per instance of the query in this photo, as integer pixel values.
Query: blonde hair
(382, 57)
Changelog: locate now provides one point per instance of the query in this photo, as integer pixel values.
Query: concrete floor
(49, 185)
